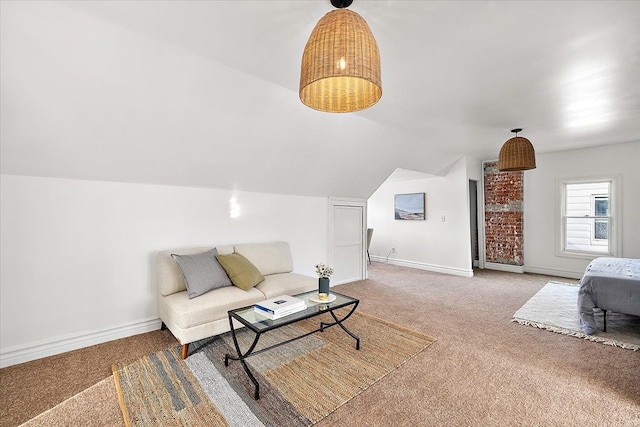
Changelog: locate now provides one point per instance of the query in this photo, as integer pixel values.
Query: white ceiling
(204, 93)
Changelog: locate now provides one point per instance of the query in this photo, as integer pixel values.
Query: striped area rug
(300, 383)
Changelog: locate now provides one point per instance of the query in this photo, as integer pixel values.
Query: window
(588, 218)
(600, 231)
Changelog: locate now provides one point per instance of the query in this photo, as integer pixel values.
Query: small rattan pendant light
(517, 154)
(341, 64)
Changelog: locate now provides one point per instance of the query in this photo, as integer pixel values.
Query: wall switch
(443, 218)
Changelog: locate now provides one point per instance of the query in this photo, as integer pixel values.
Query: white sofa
(190, 320)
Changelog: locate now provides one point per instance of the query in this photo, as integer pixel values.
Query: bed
(609, 284)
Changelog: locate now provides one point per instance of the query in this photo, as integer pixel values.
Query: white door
(347, 240)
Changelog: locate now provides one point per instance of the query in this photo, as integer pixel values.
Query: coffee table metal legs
(338, 322)
(250, 352)
(241, 357)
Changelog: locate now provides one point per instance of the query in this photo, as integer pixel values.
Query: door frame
(347, 202)
(482, 243)
(472, 202)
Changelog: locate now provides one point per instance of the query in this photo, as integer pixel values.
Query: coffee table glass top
(248, 317)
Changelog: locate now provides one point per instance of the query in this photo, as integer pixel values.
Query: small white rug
(555, 308)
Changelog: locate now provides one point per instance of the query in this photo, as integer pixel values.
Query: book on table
(275, 308)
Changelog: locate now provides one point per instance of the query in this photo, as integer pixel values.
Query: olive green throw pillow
(242, 273)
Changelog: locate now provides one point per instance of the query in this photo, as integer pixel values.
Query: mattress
(609, 284)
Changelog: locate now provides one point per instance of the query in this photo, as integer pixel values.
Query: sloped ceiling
(204, 93)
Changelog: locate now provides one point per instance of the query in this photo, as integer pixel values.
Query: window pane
(601, 206)
(588, 204)
(580, 237)
(587, 218)
(601, 229)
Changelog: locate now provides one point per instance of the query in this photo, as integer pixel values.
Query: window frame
(598, 218)
(613, 217)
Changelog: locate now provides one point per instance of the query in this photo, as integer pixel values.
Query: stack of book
(278, 307)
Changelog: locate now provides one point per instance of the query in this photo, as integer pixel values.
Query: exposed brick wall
(503, 197)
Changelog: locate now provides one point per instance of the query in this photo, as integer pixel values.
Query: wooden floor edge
(123, 407)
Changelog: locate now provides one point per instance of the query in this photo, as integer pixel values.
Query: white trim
(615, 218)
(490, 265)
(553, 272)
(49, 347)
(422, 266)
(504, 267)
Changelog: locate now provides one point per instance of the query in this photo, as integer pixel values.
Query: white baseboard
(504, 267)
(553, 272)
(49, 347)
(488, 265)
(423, 266)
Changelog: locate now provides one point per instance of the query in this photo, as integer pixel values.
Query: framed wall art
(409, 206)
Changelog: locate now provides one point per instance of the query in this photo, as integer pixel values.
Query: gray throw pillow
(202, 272)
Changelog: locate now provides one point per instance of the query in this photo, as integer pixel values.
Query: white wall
(443, 247)
(77, 257)
(430, 244)
(542, 209)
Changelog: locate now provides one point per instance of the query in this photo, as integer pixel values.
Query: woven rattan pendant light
(517, 154)
(341, 64)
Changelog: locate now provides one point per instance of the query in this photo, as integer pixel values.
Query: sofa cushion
(224, 250)
(286, 284)
(269, 258)
(212, 306)
(242, 273)
(170, 279)
(202, 272)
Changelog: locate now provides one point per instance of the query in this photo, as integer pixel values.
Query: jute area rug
(300, 382)
(555, 308)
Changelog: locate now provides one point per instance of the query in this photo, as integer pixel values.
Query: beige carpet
(97, 406)
(484, 370)
(30, 388)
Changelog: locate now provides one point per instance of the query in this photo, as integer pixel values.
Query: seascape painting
(409, 206)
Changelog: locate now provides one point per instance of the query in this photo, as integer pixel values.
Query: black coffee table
(260, 325)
